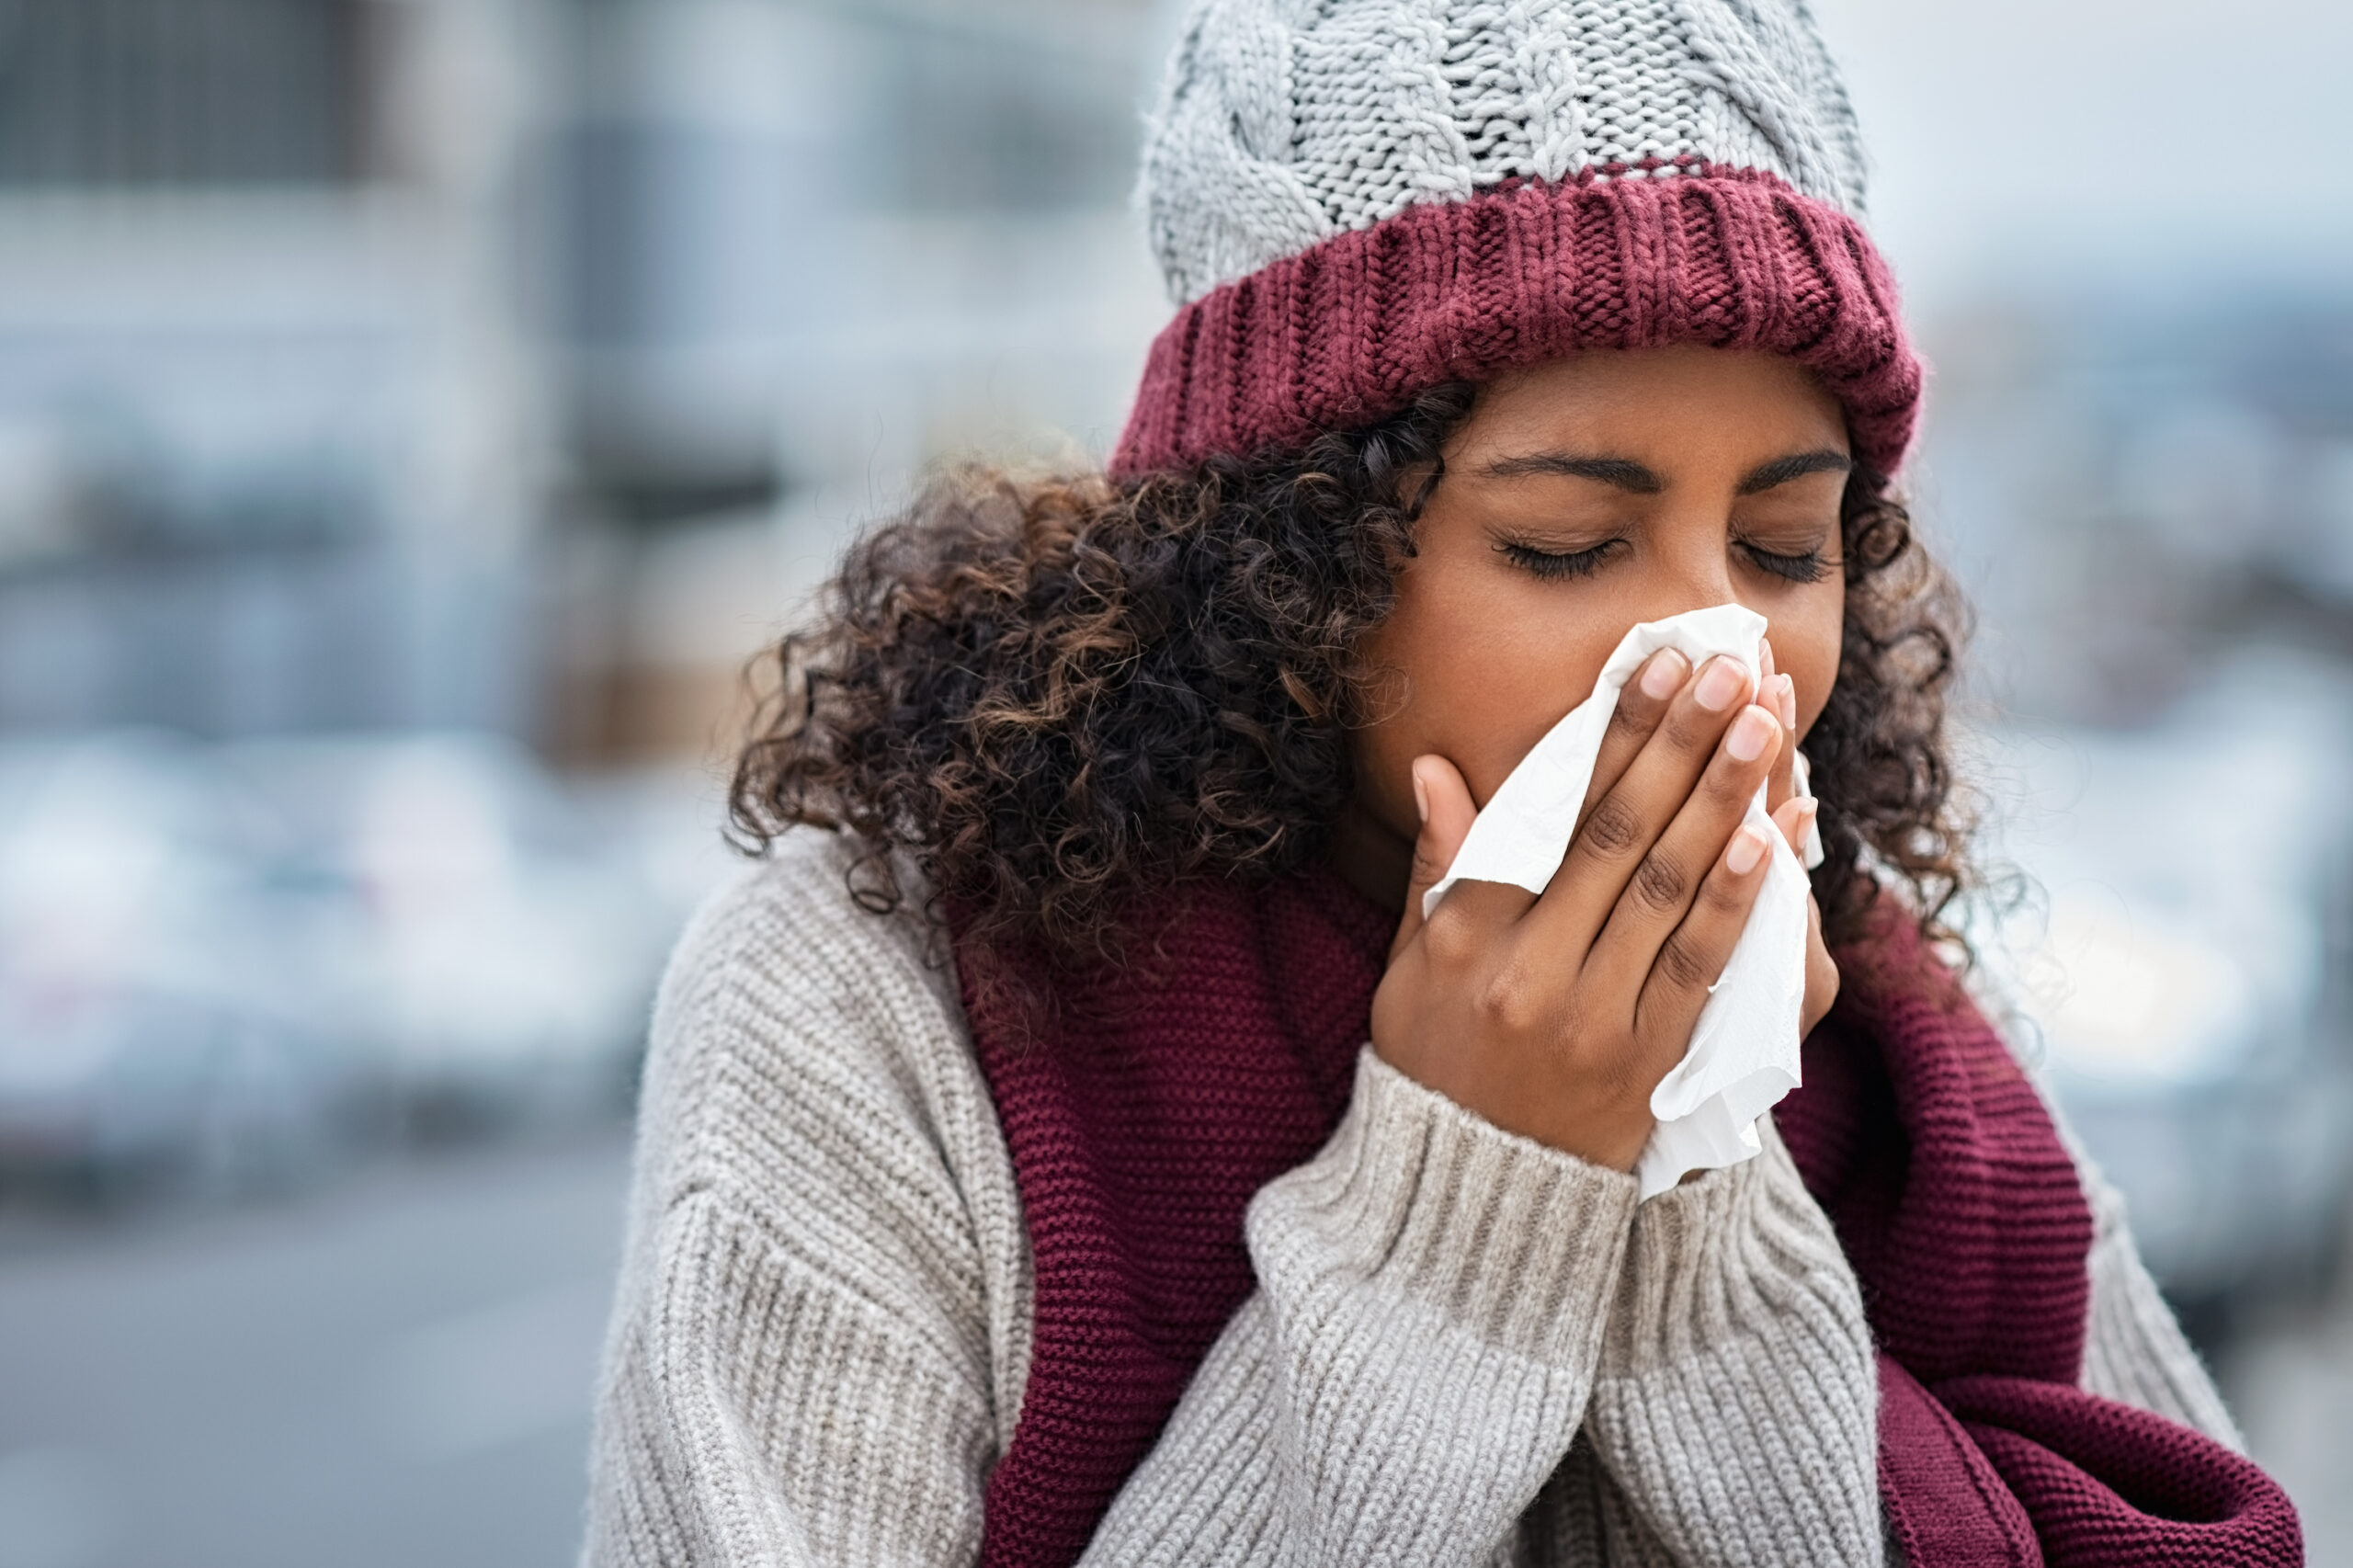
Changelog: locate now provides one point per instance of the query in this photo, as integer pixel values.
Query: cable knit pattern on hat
(1285, 122)
(1356, 200)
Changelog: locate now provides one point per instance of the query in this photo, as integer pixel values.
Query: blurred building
(517, 363)
(2132, 486)
(386, 383)
(273, 432)
(810, 248)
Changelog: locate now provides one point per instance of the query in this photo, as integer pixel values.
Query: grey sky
(2149, 142)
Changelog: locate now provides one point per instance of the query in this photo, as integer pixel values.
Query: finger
(1661, 895)
(1795, 819)
(1693, 956)
(1443, 802)
(1620, 827)
(1778, 693)
(1640, 707)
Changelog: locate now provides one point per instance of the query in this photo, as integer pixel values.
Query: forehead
(1655, 403)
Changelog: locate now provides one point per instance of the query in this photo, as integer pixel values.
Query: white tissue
(1744, 1051)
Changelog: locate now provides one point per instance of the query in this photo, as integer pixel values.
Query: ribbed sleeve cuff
(1486, 1231)
(2135, 1352)
(1725, 1255)
(1736, 1392)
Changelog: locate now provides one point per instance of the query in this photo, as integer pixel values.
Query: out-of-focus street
(393, 1370)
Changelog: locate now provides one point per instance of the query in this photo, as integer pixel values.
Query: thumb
(1444, 802)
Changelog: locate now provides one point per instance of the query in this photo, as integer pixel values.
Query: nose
(1693, 572)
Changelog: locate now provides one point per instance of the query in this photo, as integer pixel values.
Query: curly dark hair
(1058, 694)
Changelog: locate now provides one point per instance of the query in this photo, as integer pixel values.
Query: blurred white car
(235, 960)
(135, 1036)
(2173, 974)
(464, 926)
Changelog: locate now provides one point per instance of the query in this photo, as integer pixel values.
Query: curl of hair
(1057, 695)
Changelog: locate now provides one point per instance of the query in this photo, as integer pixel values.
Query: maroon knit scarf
(1146, 1105)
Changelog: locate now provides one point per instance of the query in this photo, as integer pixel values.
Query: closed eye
(1550, 564)
(1811, 566)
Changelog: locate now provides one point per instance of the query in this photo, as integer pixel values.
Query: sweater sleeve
(2134, 1351)
(1415, 1362)
(823, 1304)
(1736, 1409)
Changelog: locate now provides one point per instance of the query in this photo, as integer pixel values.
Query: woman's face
(1579, 498)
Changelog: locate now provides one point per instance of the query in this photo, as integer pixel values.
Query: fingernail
(1747, 849)
(1421, 796)
(1664, 674)
(1723, 681)
(1751, 733)
(1789, 701)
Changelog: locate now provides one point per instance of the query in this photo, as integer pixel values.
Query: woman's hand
(1555, 1017)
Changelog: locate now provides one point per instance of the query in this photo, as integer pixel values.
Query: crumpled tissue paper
(1744, 1051)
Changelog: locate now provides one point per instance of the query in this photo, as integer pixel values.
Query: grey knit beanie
(1496, 182)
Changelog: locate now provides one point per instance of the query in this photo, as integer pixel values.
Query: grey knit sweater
(1464, 1348)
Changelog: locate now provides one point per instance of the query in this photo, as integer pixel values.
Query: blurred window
(180, 92)
(977, 115)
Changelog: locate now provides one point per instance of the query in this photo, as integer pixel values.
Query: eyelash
(1550, 565)
(1809, 567)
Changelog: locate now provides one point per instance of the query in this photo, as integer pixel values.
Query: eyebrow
(1780, 471)
(1642, 480)
(1623, 473)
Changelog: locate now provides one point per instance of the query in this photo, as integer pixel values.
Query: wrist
(1600, 1124)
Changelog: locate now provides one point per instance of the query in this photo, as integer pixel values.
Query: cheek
(1475, 671)
(1805, 647)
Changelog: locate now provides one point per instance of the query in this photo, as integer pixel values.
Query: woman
(1074, 1143)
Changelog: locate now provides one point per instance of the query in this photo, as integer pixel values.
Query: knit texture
(1139, 1138)
(1955, 1200)
(821, 1344)
(1960, 1208)
(1352, 203)
(1282, 124)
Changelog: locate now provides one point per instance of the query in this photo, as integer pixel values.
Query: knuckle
(1730, 782)
(1449, 934)
(1682, 964)
(1632, 721)
(1613, 827)
(1692, 728)
(1510, 1001)
(1660, 885)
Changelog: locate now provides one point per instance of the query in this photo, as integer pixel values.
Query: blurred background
(414, 412)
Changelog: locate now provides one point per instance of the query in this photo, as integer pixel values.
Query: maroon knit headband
(1348, 332)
